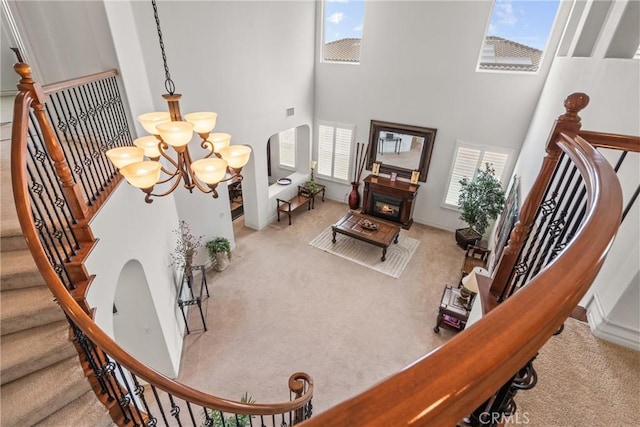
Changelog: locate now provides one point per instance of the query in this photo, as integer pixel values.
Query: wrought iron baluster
(121, 115)
(139, 392)
(175, 410)
(89, 143)
(159, 402)
(76, 139)
(193, 420)
(101, 114)
(131, 400)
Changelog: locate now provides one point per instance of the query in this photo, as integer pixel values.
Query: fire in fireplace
(386, 207)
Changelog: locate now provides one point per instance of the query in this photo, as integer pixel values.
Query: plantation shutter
(334, 151)
(465, 165)
(342, 154)
(325, 150)
(498, 161)
(287, 148)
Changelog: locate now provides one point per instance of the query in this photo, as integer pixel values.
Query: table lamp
(469, 287)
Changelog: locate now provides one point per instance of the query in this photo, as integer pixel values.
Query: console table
(453, 313)
(194, 294)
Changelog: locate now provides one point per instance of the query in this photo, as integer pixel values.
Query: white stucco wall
(418, 67)
(613, 87)
(127, 229)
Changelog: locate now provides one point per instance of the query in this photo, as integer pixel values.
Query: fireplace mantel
(378, 188)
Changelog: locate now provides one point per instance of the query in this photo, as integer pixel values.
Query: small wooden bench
(293, 204)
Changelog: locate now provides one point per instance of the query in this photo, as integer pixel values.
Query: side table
(453, 313)
(194, 294)
(312, 194)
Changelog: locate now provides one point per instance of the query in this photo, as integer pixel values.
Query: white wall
(418, 67)
(249, 62)
(613, 87)
(128, 229)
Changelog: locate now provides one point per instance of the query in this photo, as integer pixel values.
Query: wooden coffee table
(349, 225)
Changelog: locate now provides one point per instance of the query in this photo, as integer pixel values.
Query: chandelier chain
(168, 83)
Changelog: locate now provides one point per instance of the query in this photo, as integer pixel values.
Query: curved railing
(117, 376)
(450, 383)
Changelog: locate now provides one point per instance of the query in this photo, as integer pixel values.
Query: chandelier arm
(207, 145)
(171, 176)
(162, 147)
(184, 159)
(173, 187)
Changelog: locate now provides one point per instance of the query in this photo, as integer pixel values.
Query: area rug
(368, 255)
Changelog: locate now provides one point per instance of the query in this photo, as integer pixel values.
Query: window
(517, 34)
(287, 148)
(468, 159)
(334, 150)
(343, 20)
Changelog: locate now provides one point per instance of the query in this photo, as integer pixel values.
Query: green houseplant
(219, 252)
(217, 419)
(481, 200)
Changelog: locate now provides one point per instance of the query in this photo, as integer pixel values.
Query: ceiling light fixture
(169, 130)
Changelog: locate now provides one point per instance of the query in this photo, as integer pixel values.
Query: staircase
(42, 381)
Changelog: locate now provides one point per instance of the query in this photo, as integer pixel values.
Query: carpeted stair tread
(18, 270)
(27, 308)
(85, 411)
(33, 349)
(30, 399)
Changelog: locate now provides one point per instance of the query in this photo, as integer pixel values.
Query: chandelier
(169, 139)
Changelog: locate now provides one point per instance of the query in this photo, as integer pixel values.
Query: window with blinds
(467, 160)
(334, 150)
(287, 148)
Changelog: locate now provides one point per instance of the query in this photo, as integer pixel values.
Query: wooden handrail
(613, 141)
(79, 81)
(28, 95)
(448, 384)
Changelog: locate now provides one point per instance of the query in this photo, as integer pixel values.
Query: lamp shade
(175, 133)
(219, 141)
(142, 174)
(203, 122)
(210, 171)
(149, 121)
(470, 282)
(123, 156)
(150, 146)
(313, 164)
(236, 155)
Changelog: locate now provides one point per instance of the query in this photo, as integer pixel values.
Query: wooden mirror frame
(429, 135)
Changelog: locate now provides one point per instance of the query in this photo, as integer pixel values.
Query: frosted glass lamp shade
(142, 174)
(236, 155)
(203, 122)
(210, 171)
(149, 121)
(313, 164)
(149, 144)
(176, 134)
(470, 283)
(123, 156)
(219, 141)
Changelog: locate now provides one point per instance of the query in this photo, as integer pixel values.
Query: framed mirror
(400, 148)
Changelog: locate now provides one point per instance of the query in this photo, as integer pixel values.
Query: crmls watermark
(494, 418)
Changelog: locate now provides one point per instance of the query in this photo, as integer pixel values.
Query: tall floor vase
(354, 196)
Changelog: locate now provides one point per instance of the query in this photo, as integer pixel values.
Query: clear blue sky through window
(517, 34)
(343, 19)
(524, 21)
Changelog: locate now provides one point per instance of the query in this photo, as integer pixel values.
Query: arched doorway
(136, 326)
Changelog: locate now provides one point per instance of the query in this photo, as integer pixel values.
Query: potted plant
(481, 200)
(186, 246)
(219, 253)
(216, 418)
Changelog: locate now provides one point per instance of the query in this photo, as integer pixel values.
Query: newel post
(567, 122)
(71, 189)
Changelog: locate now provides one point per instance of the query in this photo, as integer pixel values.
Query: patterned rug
(368, 255)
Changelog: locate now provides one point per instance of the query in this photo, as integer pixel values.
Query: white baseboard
(602, 327)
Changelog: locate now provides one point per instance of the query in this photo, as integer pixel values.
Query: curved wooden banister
(24, 100)
(66, 84)
(613, 141)
(448, 384)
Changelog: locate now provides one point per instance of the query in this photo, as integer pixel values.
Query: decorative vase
(222, 261)
(354, 196)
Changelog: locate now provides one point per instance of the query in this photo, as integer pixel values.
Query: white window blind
(467, 160)
(287, 148)
(334, 151)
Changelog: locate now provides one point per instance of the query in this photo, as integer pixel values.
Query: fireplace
(389, 200)
(386, 207)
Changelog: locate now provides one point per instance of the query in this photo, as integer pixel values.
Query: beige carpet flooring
(283, 306)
